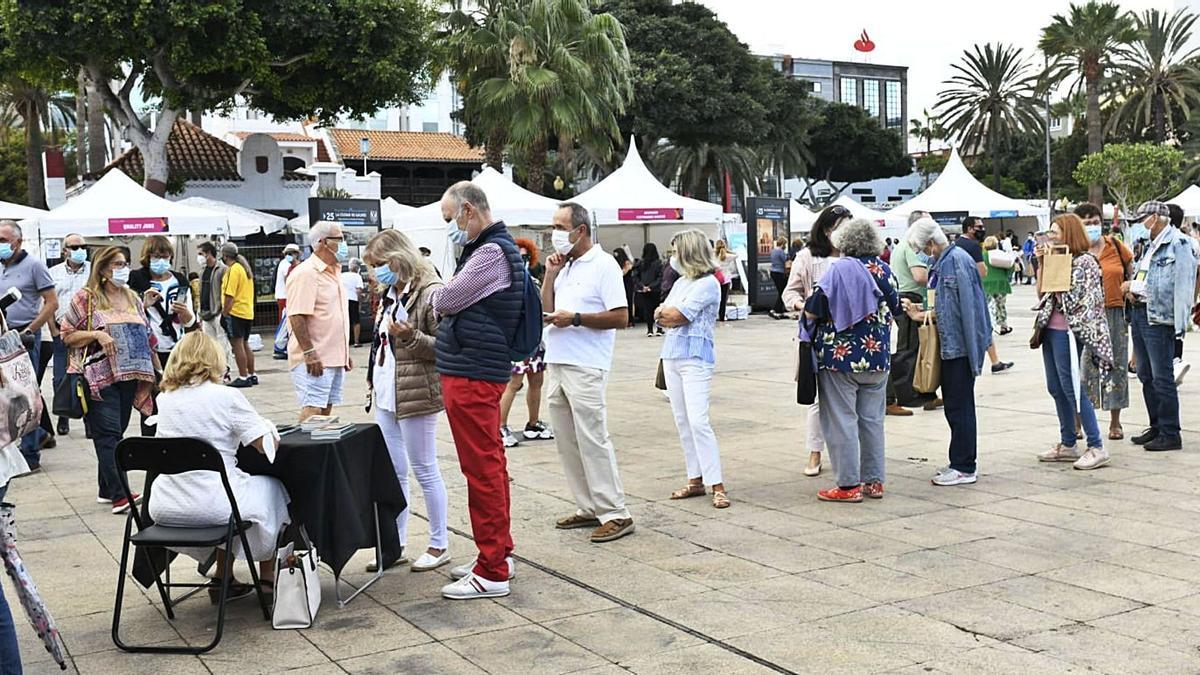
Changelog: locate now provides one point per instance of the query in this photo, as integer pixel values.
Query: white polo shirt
(587, 285)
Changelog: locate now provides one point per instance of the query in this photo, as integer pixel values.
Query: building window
(894, 104)
(849, 91)
(869, 199)
(261, 164)
(429, 127)
(1056, 124)
(871, 97)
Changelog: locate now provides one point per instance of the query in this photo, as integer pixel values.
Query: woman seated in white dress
(194, 403)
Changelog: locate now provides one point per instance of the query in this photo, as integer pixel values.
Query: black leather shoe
(1145, 437)
(1164, 443)
(64, 426)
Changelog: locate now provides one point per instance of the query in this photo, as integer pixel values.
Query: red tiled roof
(192, 154)
(323, 151)
(281, 136)
(405, 146)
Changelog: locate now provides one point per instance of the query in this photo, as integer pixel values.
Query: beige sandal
(720, 500)
(688, 491)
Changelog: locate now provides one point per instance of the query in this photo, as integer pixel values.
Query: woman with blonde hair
(195, 404)
(112, 346)
(406, 389)
(996, 286)
(728, 262)
(689, 314)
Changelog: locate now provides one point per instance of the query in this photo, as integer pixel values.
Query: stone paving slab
(1035, 569)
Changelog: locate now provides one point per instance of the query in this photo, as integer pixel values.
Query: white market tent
(631, 195)
(390, 210)
(242, 221)
(117, 206)
(957, 190)
(1188, 200)
(10, 211)
(801, 218)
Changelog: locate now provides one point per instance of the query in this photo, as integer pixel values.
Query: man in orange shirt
(318, 350)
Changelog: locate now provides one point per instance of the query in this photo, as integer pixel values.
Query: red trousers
(282, 304)
(473, 408)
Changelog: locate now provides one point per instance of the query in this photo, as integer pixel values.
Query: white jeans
(213, 329)
(689, 382)
(413, 440)
(816, 439)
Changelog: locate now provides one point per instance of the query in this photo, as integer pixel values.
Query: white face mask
(120, 276)
(561, 239)
(676, 266)
(201, 260)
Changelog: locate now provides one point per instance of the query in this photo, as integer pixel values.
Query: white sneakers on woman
(430, 562)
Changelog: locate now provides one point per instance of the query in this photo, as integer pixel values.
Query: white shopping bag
(297, 587)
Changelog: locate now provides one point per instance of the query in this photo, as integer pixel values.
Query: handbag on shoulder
(71, 394)
(806, 366)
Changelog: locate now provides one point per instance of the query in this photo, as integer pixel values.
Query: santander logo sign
(864, 43)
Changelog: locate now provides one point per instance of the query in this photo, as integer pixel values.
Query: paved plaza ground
(1036, 569)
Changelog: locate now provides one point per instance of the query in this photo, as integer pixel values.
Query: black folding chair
(168, 456)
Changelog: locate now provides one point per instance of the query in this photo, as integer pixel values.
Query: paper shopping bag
(1055, 274)
(928, 373)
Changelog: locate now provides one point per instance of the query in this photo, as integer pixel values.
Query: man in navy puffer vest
(480, 308)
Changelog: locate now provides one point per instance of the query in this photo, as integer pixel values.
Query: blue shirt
(698, 300)
(779, 260)
(865, 346)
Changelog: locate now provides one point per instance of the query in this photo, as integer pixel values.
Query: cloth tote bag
(20, 398)
(297, 586)
(927, 375)
(1002, 259)
(1055, 275)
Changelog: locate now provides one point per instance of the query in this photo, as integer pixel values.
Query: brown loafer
(934, 404)
(898, 410)
(613, 529)
(576, 521)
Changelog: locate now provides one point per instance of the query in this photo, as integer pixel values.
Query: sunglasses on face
(75, 247)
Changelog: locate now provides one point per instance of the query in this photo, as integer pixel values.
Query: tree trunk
(991, 152)
(196, 117)
(81, 123)
(495, 150)
(1095, 133)
(35, 185)
(535, 168)
(154, 151)
(1160, 120)
(566, 158)
(97, 144)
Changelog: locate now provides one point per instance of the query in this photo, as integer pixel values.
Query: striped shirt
(486, 272)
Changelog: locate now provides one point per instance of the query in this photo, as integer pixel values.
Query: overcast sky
(925, 35)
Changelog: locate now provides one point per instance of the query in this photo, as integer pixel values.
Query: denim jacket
(964, 325)
(1171, 281)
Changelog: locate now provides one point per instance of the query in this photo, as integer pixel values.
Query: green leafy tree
(12, 167)
(991, 97)
(928, 130)
(1084, 44)
(848, 146)
(1133, 172)
(699, 167)
(292, 59)
(1157, 75)
(1021, 162)
(784, 150)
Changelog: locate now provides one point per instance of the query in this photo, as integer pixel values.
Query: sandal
(1116, 434)
(720, 500)
(689, 491)
(237, 590)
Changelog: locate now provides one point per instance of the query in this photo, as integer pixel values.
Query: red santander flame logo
(864, 43)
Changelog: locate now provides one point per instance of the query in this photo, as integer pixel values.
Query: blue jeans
(31, 443)
(1056, 356)
(10, 654)
(958, 394)
(1154, 349)
(107, 419)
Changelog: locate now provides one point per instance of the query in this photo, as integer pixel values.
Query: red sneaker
(837, 494)
(874, 490)
(121, 505)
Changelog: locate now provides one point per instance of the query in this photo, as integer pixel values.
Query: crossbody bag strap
(82, 352)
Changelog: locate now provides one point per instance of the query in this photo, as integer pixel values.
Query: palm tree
(696, 167)
(1083, 45)
(992, 96)
(28, 105)
(475, 54)
(1158, 73)
(929, 130)
(568, 77)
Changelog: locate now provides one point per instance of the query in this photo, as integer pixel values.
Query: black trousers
(649, 302)
(958, 392)
(780, 279)
(724, 301)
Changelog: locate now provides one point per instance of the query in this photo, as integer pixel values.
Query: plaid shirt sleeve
(485, 272)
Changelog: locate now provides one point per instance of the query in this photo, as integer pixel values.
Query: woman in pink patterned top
(113, 347)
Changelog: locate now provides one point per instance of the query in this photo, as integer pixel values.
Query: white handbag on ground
(297, 586)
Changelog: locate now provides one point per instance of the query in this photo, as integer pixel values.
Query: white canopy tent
(957, 190)
(242, 221)
(1188, 200)
(117, 206)
(10, 211)
(631, 195)
(390, 210)
(801, 218)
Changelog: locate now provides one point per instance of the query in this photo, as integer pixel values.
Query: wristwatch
(577, 320)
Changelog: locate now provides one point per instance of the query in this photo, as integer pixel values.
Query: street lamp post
(364, 145)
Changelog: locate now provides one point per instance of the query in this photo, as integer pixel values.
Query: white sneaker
(428, 562)
(461, 571)
(510, 440)
(1092, 458)
(1181, 371)
(474, 586)
(538, 431)
(953, 477)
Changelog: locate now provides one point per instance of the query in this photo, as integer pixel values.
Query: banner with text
(649, 214)
(137, 225)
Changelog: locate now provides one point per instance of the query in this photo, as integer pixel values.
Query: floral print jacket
(864, 347)
(1083, 307)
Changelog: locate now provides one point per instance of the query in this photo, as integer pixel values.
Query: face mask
(289, 258)
(79, 256)
(384, 275)
(525, 257)
(925, 258)
(561, 239)
(456, 236)
(6, 251)
(160, 265)
(343, 252)
(120, 276)
(676, 266)
(201, 260)
(1093, 232)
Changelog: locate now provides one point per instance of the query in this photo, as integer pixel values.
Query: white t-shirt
(281, 279)
(352, 281)
(586, 285)
(384, 374)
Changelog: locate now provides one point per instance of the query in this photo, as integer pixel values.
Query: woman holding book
(404, 383)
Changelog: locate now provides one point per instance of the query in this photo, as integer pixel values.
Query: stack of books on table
(332, 431)
(317, 421)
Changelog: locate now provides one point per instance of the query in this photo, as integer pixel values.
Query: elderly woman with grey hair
(964, 333)
(852, 308)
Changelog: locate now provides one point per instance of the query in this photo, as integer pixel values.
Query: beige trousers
(576, 402)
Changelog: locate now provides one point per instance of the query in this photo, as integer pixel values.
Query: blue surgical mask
(160, 265)
(289, 258)
(343, 252)
(457, 237)
(1093, 232)
(79, 256)
(120, 276)
(6, 251)
(925, 257)
(384, 275)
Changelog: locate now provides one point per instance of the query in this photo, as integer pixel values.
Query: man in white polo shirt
(583, 296)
